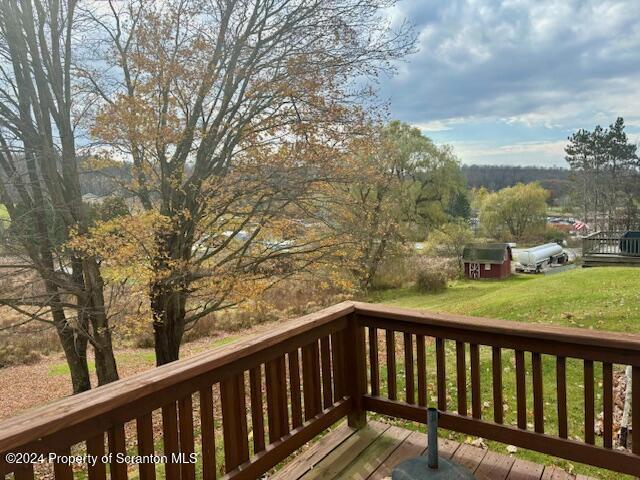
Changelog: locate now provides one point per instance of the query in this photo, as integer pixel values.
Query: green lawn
(599, 298)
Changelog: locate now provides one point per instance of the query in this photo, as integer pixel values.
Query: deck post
(355, 371)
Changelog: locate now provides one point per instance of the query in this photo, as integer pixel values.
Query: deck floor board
(314, 454)
(372, 452)
(469, 456)
(366, 463)
(523, 470)
(342, 457)
(494, 466)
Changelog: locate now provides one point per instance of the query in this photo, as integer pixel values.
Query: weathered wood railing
(610, 243)
(310, 373)
(303, 388)
(524, 340)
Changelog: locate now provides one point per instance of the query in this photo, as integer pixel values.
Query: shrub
(552, 234)
(22, 348)
(433, 274)
(394, 272)
(431, 281)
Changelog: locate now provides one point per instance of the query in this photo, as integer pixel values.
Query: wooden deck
(609, 260)
(371, 453)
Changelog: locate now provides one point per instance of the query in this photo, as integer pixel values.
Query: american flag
(580, 226)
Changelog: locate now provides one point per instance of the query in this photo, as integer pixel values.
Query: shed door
(474, 270)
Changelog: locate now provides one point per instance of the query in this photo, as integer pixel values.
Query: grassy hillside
(598, 298)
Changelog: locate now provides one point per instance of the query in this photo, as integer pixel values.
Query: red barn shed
(491, 260)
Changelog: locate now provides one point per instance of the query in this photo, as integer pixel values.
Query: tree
(514, 212)
(233, 115)
(39, 182)
(449, 240)
(460, 205)
(401, 187)
(622, 175)
(605, 171)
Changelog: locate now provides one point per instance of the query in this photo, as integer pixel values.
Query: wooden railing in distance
(610, 243)
(247, 406)
(528, 343)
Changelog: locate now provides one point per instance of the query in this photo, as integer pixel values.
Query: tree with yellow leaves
(234, 115)
(401, 187)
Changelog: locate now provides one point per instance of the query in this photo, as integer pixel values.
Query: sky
(506, 82)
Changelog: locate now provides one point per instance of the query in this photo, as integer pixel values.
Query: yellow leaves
(513, 212)
(127, 245)
(136, 119)
(98, 162)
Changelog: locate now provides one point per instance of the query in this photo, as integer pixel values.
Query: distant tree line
(496, 177)
(605, 174)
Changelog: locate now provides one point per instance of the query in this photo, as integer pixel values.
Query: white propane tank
(532, 258)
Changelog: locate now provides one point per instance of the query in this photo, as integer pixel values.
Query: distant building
(92, 199)
(491, 260)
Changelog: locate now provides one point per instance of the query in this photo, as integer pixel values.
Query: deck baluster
(441, 375)
(589, 409)
(607, 405)
(538, 400)
(410, 394)
(421, 360)
(207, 431)
(187, 447)
(294, 387)
(117, 445)
(391, 364)
(521, 392)
(234, 421)
(476, 400)
(257, 414)
(144, 429)
(277, 408)
(374, 362)
(461, 373)
(561, 389)
(496, 363)
(325, 357)
(311, 380)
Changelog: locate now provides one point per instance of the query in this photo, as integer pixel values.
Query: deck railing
(258, 401)
(610, 243)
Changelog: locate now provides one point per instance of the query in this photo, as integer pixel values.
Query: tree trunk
(75, 350)
(372, 265)
(168, 310)
(106, 368)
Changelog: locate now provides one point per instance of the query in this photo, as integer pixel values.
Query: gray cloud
(544, 61)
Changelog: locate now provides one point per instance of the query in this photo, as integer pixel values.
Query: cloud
(442, 125)
(544, 153)
(535, 63)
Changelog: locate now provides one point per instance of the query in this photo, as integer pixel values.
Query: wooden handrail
(81, 417)
(290, 384)
(537, 331)
(526, 343)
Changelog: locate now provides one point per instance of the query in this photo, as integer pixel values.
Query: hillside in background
(496, 177)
